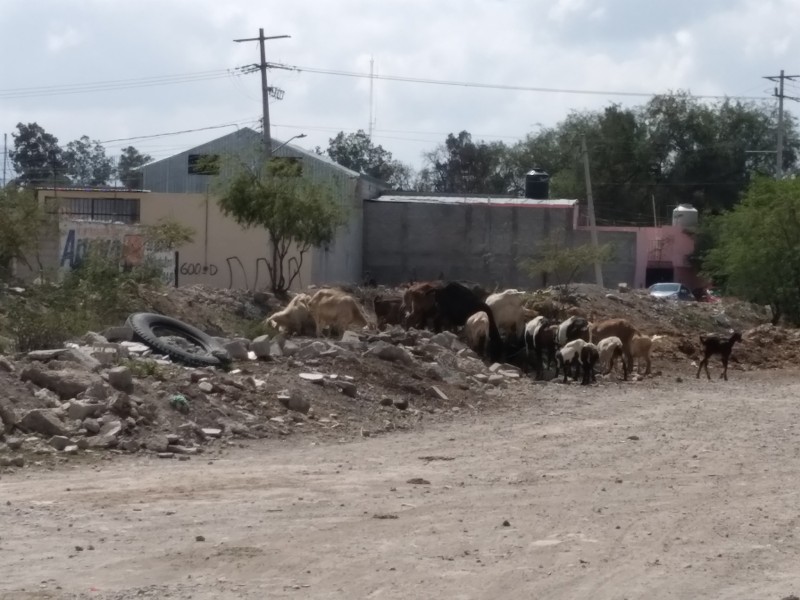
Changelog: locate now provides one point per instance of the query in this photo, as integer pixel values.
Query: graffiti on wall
(234, 273)
(122, 244)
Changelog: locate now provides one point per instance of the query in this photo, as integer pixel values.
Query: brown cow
(337, 310)
(419, 304)
(388, 311)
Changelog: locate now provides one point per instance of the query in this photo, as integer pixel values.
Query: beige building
(222, 253)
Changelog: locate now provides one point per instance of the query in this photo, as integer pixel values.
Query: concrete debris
(389, 352)
(43, 421)
(237, 349)
(121, 379)
(60, 442)
(67, 383)
(438, 394)
(261, 347)
(118, 334)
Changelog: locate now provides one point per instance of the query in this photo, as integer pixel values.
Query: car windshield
(666, 287)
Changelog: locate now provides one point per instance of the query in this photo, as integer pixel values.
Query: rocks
(121, 379)
(43, 421)
(82, 358)
(312, 350)
(318, 378)
(439, 394)
(6, 365)
(495, 379)
(350, 337)
(205, 386)
(211, 432)
(91, 425)
(80, 410)
(261, 347)
(401, 403)
(386, 351)
(8, 417)
(107, 436)
(237, 349)
(13, 461)
(118, 334)
(121, 405)
(60, 442)
(348, 388)
(66, 383)
(386, 401)
(295, 401)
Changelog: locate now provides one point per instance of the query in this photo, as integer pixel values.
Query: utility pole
(5, 157)
(264, 88)
(598, 272)
(780, 95)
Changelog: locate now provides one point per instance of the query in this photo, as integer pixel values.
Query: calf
(568, 358)
(589, 357)
(388, 311)
(714, 343)
(336, 310)
(455, 303)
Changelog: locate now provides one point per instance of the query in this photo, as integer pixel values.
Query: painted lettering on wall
(122, 244)
(196, 268)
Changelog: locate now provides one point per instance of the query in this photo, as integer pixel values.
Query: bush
(95, 295)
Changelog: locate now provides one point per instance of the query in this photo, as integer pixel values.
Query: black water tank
(537, 185)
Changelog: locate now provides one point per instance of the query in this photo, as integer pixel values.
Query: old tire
(150, 327)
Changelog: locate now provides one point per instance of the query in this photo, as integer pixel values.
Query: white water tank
(685, 215)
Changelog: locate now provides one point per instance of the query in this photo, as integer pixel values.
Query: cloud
(62, 38)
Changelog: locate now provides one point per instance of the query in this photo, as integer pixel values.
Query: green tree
(357, 152)
(20, 222)
(296, 212)
(463, 166)
(557, 262)
(36, 158)
(757, 253)
(129, 168)
(86, 162)
(168, 234)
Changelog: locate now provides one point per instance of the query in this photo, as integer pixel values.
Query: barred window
(110, 210)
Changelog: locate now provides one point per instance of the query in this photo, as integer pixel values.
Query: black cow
(455, 303)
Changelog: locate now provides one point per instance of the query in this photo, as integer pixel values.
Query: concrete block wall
(476, 242)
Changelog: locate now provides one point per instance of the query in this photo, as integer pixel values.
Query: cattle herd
(497, 326)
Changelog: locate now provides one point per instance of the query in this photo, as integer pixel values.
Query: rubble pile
(109, 394)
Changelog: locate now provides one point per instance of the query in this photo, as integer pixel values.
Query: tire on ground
(146, 325)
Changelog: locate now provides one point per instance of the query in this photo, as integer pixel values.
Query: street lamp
(297, 137)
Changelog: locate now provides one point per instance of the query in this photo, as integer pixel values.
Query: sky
(114, 70)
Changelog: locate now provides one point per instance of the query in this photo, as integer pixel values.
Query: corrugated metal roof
(491, 200)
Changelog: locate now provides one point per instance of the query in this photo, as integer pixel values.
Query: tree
(129, 167)
(296, 213)
(86, 163)
(462, 166)
(757, 252)
(168, 234)
(20, 222)
(555, 258)
(36, 157)
(357, 152)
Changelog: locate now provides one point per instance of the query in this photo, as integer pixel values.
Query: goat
(715, 343)
(610, 349)
(640, 349)
(568, 358)
(574, 328)
(589, 357)
(476, 332)
(620, 328)
(534, 342)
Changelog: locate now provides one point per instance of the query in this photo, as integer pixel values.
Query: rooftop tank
(685, 215)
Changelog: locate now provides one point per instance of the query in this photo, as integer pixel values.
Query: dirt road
(686, 490)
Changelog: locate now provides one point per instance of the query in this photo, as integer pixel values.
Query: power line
(157, 135)
(496, 86)
(118, 84)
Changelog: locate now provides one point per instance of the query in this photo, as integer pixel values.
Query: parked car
(671, 291)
